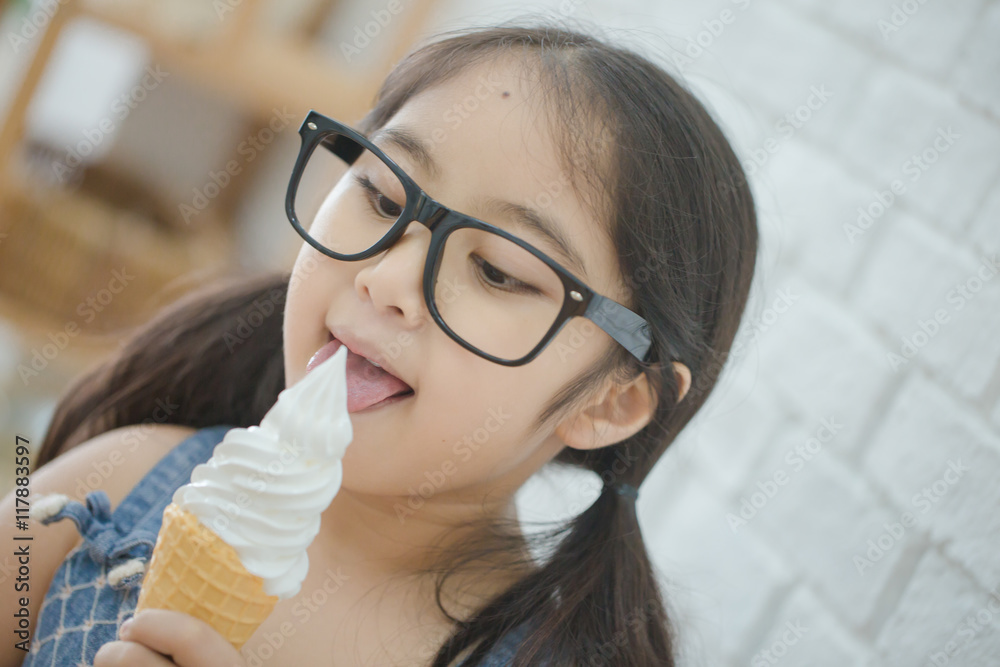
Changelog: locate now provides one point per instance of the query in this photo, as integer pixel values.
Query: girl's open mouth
(368, 385)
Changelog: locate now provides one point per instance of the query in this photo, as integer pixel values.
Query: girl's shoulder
(133, 467)
(132, 453)
(121, 478)
(168, 466)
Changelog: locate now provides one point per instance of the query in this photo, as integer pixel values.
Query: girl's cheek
(306, 264)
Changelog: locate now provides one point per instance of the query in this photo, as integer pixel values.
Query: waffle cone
(194, 571)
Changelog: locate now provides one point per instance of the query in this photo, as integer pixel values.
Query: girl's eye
(380, 204)
(383, 202)
(496, 278)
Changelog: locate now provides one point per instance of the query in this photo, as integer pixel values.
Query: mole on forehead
(506, 93)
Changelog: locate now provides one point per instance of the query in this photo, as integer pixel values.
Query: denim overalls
(97, 586)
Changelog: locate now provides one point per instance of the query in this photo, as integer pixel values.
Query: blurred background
(835, 502)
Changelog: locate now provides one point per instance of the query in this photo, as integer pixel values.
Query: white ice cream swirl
(265, 487)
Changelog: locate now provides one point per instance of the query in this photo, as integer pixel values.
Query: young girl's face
(467, 427)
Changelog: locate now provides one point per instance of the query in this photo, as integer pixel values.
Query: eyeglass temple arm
(343, 148)
(621, 324)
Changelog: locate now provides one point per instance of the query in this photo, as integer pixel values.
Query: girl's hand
(158, 638)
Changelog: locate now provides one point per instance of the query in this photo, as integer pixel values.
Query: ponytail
(594, 602)
(613, 600)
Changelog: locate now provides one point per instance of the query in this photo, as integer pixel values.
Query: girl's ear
(618, 413)
(683, 374)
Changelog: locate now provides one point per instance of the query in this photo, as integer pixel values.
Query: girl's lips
(385, 402)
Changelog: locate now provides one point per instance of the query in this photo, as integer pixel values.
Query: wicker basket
(73, 257)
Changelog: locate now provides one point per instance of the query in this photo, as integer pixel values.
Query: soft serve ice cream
(265, 487)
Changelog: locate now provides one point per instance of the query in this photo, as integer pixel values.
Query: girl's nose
(393, 279)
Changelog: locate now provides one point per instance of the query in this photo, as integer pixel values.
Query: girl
(592, 239)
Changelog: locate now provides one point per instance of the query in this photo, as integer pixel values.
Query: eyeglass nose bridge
(428, 212)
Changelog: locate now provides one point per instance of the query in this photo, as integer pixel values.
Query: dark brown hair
(681, 220)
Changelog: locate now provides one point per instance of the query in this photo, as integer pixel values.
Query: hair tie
(624, 489)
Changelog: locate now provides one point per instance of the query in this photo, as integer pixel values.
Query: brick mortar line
(856, 170)
(978, 581)
(946, 81)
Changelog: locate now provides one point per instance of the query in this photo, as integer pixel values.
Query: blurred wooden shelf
(256, 69)
(60, 247)
(271, 72)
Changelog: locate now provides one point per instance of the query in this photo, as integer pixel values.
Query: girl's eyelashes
(497, 279)
(374, 197)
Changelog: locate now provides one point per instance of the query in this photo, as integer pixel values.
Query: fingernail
(123, 630)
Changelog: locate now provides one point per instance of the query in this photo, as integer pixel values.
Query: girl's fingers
(128, 654)
(189, 641)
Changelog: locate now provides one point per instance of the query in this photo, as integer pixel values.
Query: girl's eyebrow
(540, 223)
(406, 140)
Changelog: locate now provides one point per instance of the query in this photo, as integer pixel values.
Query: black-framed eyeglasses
(490, 291)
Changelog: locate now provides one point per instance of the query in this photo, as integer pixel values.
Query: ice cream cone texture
(233, 540)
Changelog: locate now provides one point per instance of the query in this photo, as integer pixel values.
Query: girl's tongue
(368, 384)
